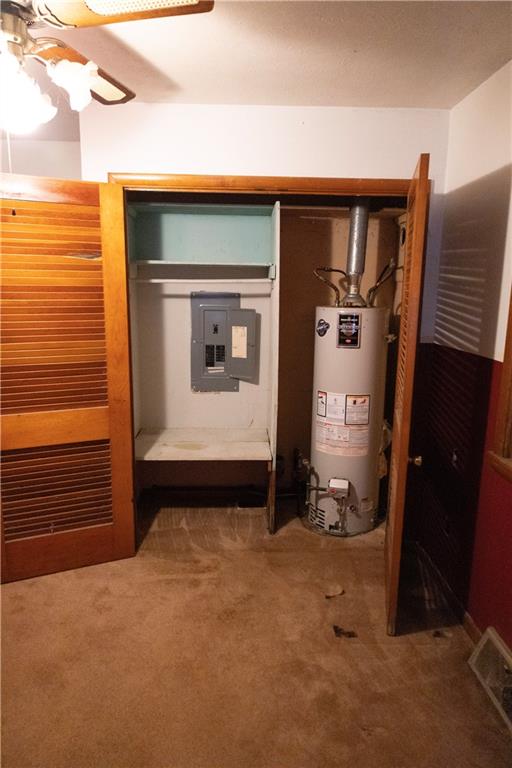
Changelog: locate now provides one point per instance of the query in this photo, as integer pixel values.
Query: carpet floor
(219, 646)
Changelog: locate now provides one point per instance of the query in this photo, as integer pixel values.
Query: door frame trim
(44, 189)
(278, 187)
(261, 185)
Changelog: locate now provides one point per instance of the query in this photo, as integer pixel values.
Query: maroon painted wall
(490, 595)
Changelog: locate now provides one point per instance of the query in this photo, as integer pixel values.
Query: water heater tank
(348, 410)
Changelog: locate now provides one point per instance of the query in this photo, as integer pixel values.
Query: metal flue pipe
(356, 253)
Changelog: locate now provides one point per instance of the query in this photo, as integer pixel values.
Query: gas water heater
(351, 340)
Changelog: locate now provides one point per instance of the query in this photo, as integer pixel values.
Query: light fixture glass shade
(23, 107)
(113, 7)
(76, 79)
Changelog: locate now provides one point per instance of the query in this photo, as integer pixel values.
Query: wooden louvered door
(65, 411)
(417, 208)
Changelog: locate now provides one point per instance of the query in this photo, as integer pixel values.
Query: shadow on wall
(306, 243)
(471, 263)
(121, 61)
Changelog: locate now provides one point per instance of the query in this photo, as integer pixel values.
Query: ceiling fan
(67, 67)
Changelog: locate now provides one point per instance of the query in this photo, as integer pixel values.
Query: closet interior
(222, 299)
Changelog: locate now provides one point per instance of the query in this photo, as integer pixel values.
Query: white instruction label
(342, 423)
(239, 341)
(357, 409)
(336, 406)
(341, 440)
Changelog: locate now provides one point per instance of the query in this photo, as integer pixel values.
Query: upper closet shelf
(206, 235)
(159, 262)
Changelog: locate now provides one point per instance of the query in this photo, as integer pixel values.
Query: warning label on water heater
(321, 403)
(342, 423)
(357, 409)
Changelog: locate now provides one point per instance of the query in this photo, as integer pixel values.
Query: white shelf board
(181, 281)
(197, 444)
(198, 263)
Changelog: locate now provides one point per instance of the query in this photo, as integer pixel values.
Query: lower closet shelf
(203, 445)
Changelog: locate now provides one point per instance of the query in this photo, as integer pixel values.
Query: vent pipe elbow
(356, 255)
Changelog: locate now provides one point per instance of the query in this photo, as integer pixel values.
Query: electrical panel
(224, 342)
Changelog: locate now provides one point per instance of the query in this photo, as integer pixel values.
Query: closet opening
(222, 298)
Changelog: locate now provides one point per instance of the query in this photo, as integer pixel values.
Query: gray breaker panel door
(224, 342)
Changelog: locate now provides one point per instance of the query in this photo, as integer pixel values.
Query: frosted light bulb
(76, 79)
(24, 107)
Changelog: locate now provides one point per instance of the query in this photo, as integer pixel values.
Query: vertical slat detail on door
(117, 333)
(61, 390)
(417, 207)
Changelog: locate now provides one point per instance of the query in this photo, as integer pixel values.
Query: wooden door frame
(261, 185)
(61, 190)
(277, 187)
(48, 190)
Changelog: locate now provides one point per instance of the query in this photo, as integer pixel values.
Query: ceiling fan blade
(105, 88)
(89, 13)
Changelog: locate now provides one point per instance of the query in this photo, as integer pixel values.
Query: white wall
(259, 140)
(476, 256)
(275, 141)
(164, 328)
(57, 159)
(480, 139)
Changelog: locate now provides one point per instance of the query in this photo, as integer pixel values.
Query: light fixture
(77, 79)
(111, 7)
(24, 107)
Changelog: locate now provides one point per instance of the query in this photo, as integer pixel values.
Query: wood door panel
(66, 502)
(57, 552)
(417, 208)
(32, 221)
(52, 427)
(31, 191)
(77, 249)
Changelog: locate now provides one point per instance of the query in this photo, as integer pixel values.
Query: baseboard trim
(471, 628)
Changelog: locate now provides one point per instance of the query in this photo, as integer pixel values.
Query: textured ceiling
(360, 54)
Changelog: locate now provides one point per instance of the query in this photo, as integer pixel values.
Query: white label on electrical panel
(342, 423)
(239, 341)
(357, 409)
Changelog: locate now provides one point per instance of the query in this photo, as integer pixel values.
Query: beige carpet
(215, 648)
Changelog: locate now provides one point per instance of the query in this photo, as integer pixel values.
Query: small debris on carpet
(335, 594)
(340, 632)
(440, 633)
